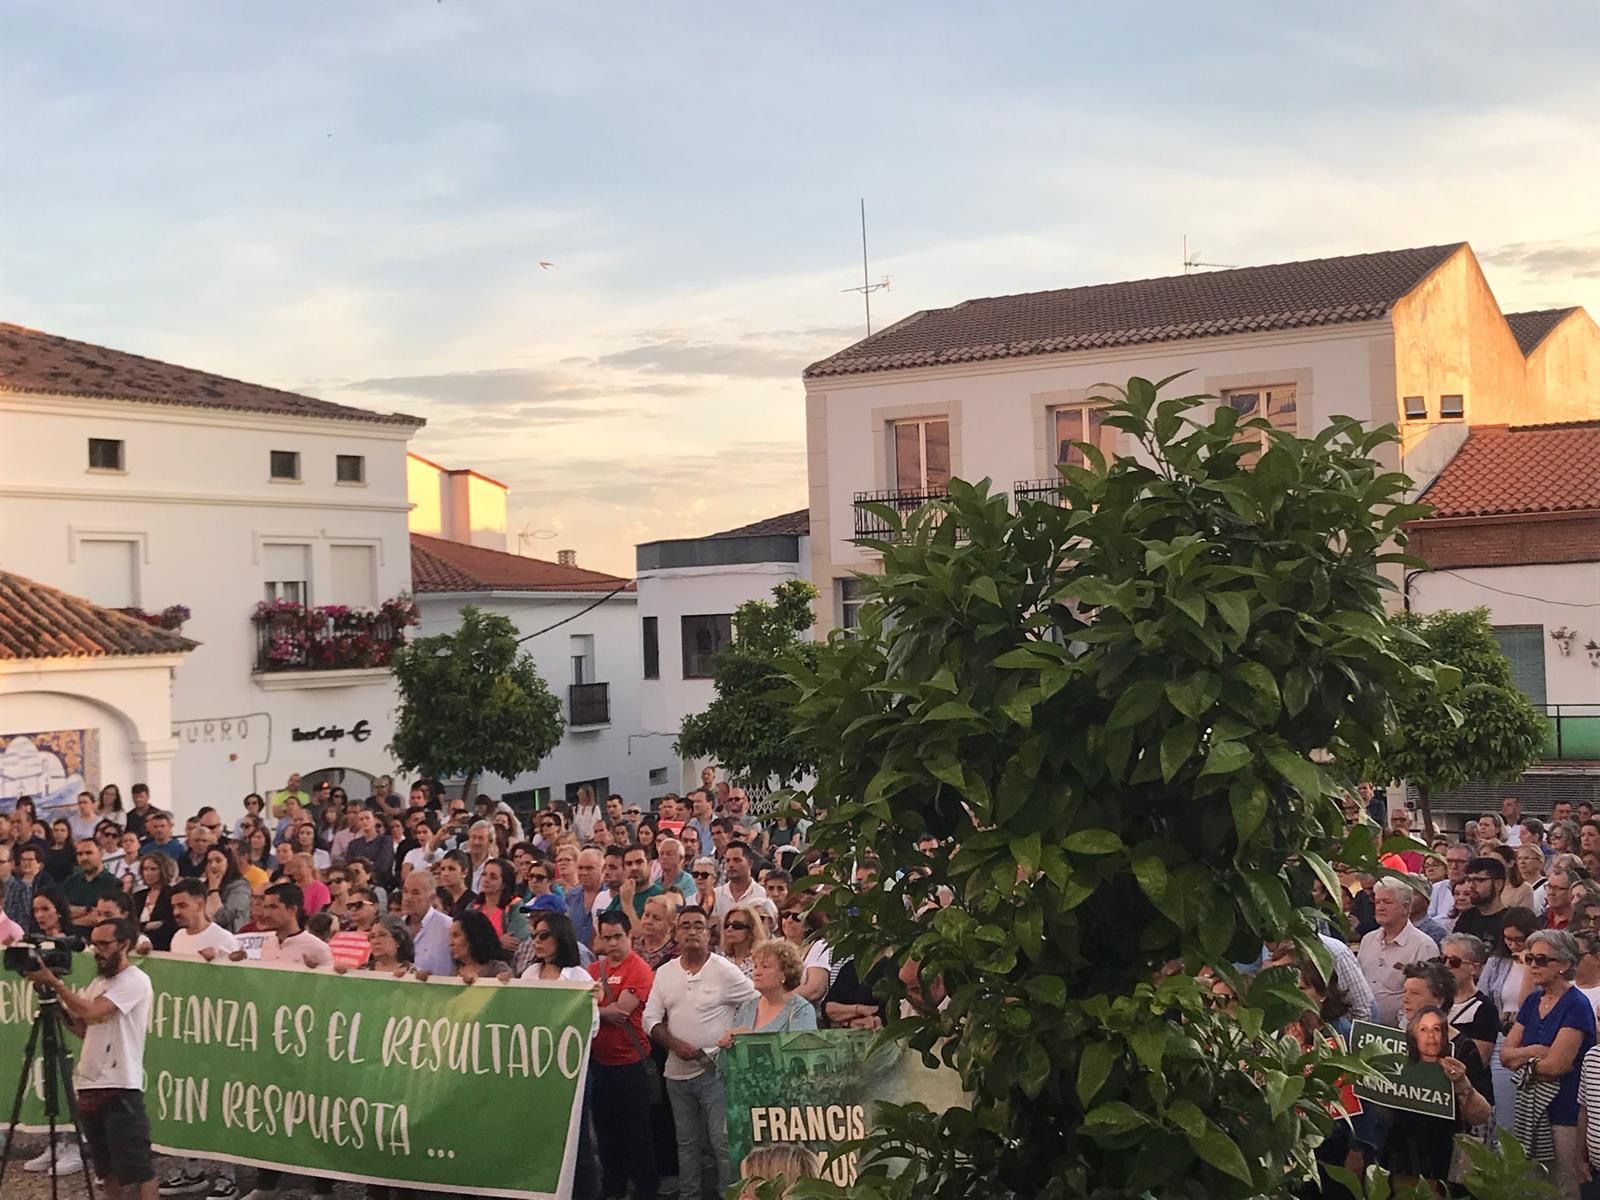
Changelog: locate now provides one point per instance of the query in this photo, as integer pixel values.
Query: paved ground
(21, 1185)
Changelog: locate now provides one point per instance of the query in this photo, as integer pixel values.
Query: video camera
(54, 954)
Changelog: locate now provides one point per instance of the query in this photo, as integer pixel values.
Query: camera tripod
(57, 1079)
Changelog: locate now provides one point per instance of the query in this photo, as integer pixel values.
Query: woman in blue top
(1554, 1029)
(776, 1007)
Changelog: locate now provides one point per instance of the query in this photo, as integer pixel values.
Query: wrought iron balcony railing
(872, 524)
(589, 704)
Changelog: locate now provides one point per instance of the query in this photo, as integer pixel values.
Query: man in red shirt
(623, 1084)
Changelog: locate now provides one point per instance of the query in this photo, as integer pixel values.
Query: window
(601, 786)
(583, 658)
(1081, 423)
(285, 464)
(1524, 646)
(921, 452)
(852, 594)
(1451, 408)
(704, 637)
(652, 648)
(1416, 408)
(1276, 404)
(349, 468)
(527, 801)
(108, 571)
(658, 776)
(288, 573)
(353, 575)
(105, 454)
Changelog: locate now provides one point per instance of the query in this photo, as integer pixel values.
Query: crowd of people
(1485, 950)
(691, 921)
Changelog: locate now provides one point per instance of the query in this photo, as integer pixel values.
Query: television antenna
(1191, 261)
(867, 286)
(529, 534)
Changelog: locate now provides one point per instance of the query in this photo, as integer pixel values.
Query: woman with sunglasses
(1470, 1011)
(1505, 980)
(1552, 1032)
(555, 950)
(743, 932)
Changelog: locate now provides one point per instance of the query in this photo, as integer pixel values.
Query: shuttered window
(1524, 646)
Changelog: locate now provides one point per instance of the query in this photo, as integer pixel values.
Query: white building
(581, 625)
(141, 485)
(1516, 530)
(997, 388)
(688, 591)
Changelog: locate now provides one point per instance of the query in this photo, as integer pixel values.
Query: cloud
(511, 385)
(1550, 260)
(681, 357)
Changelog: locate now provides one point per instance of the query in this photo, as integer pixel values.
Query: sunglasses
(792, 916)
(544, 935)
(538, 877)
(738, 925)
(1542, 960)
(357, 903)
(701, 874)
(1454, 961)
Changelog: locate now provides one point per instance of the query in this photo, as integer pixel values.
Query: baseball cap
(545, 904)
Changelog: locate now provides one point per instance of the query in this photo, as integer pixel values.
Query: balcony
(872, 525)
(293, 638)
(1574, 732)
(1036, 491)
(588, 704)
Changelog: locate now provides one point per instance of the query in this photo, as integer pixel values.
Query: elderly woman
(1418, 1146)
(393, 948)
(776, 1007)
(654, 939)
(1553, 1030)
(1470, 1011)
(1530, 867)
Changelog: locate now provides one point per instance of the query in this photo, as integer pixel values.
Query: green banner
(362, 1077)
(1417, 1087)
(821, 1089)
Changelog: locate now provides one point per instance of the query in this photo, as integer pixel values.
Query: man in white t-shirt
(198, 936)
(740, 888)
(283, 908)
(110, 1016)
(692, 1003)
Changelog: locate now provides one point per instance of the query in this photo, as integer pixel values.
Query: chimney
(567, 558)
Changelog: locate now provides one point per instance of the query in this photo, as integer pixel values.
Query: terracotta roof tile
(790, 523)
(1326, 291)
(1531, 328)
(1534, 469)
(37, 621)
(439, 565)
(31, 361)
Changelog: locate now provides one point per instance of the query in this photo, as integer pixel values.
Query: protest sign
(360, 1076)
(1416, 1087)
(821, 1089)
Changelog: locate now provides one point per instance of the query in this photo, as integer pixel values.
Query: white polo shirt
(1384, 960)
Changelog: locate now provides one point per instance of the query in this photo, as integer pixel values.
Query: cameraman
(110, 1016)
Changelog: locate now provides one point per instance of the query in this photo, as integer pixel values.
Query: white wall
(197, 501)
(613, 751)
(1554, 595)
(996, 409)
(669, 594)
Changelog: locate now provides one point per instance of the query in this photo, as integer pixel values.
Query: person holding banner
(621, 1074)
(1420, 1146)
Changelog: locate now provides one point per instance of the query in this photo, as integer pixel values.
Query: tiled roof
(438, 565)
(31, 361)
(1325, 291)
(1535, 469)
(791, 523)
(1531, 328)
(37, 621)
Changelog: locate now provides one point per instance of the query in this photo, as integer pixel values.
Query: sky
(595, 245)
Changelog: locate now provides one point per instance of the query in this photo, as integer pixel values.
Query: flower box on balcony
(331, 637)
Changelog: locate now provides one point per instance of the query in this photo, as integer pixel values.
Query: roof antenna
(867, 288)
(1190, 262)
(528, 534)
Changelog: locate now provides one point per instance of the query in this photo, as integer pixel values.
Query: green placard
(821, 1089)
(1415, 1087)
(362, 1077)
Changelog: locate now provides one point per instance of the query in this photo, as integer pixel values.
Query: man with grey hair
(1558, 891)
(429, 928)
(1385, 952)
(1443, 899)
(480, 849)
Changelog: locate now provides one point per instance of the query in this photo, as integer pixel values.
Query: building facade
(1000, 388)
(237, 514)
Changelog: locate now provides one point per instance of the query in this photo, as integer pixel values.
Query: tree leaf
(1194, 695)
(1149, 1045)
(953, 710)
(1093, 841)
(983, 587)
(1298, 772)
(1235, 610)
(1248, 802)
(1218, 1149)
(1137, 703)
(1151, 873)
(1225, 758)
(1094, 1065)
(1113, 1117)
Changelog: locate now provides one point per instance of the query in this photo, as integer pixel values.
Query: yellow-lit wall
(485, 513)
(422, 489)
(1564, 373)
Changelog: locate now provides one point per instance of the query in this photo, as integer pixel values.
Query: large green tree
(748, 726)
(1117, 710)
(473, 703)
(1487, 730)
